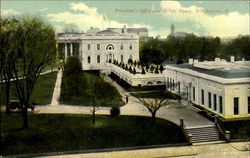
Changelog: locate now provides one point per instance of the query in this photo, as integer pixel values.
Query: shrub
(114, 111)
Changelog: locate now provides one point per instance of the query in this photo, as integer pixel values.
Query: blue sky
(215, 18)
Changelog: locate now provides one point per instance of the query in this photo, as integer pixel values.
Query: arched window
(130, 46)
(110, 47)
(149, 83)
(89, 59)
(158, 82)
(98, 59)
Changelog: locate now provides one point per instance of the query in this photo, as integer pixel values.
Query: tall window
(215, 102)
(130, 46)
(98, 46)
(236, 106)
(202, 97)
(98, 59)
(167, 82)
(193, 93)
(221, 103)
(173, 85)
(89, 59)
(179, 87)
(121, 47)
(88, 46)
(209, 99)
(122, 58)
(248, 103)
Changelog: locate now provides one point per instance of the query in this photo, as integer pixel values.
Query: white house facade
(220, 87)
(95, 50)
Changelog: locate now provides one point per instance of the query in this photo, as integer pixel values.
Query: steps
(204, 134)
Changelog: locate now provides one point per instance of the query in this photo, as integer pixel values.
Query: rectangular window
(168, 83)
(173, 85)
(202, 97)
(98, 58)
(236, 106)
(209, 99)
(248, 103)
(193, 93)
(89, 59)
(98, 46)
(221, 104)
(130, 46)
(88, 46)
(121, 47)
(215, 102)
(179, 87)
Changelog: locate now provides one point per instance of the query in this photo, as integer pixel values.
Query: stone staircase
(204, 133)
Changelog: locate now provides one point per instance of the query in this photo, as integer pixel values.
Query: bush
(115, 111)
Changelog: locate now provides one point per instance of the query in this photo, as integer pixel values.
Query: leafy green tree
(34, 45)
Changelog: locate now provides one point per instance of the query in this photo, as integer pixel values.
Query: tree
(6, 66)
(100, 93)
(34, 47)
(154, 104)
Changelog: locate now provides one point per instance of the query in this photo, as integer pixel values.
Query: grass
(106, 94)
(238, 129)
(48, 133)
(42, 93)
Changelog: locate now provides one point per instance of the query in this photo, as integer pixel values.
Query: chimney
(190, 61)
(232, 59)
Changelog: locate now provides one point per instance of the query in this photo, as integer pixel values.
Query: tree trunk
(93, 117)
(153, 116)
(7, 93)
(25, 117)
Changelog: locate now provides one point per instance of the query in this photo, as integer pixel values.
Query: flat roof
(240, 73)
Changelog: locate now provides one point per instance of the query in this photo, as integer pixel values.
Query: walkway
(133, 107)
(228, 150)
(57, 89)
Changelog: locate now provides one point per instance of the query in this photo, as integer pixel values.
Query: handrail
(225, 133)
(188, 136)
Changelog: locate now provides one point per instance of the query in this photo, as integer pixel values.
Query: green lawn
(42, 92)
(61, 132)
(79, 92)
(238, 129)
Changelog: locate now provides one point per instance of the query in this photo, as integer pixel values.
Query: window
(179, 87)
(98, 46)
(110, 47)
(121, 47)
(167, 82)
(248, 103)
(89, 59)
(122, 58)
(221, 103)
(173, 85)
(209, 99)
(88, 46)
(236, 106)
(130, 46)
(193, 93)
(202, 97)
(98, 58)
(215, 102)
(170, 85)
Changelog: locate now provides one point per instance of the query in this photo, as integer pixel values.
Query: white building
(97, 49)
(141, 32)
(220, 87)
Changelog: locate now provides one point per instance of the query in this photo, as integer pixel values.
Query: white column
(66, 50)
(71, 49)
